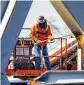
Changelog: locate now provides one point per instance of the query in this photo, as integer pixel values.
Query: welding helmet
(42, 22)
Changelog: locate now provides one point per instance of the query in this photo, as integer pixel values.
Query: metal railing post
(61, 56)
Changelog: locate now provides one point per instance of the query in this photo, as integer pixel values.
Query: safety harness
(37, 31)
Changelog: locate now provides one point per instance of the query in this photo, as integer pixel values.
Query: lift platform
(23, 62)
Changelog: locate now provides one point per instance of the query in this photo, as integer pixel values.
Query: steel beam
(4, 5)
(11, 33)
(61, 78)
(71, 22)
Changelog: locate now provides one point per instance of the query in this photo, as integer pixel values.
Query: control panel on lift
(22, 53)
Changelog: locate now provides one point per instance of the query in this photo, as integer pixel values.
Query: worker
(40, 33)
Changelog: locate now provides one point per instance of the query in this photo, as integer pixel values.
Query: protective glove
(38, 42)
(50, 38)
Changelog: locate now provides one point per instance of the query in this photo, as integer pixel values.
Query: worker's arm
(50, 37)
(33, 35)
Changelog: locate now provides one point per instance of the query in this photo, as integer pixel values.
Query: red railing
(61, 53)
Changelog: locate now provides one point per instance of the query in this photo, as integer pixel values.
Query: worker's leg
(38, 58)
(45, 54)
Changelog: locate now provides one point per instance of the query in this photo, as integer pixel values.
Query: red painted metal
(61, 52)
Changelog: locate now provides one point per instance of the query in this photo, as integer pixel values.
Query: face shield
(43, 25)
(42, 22)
